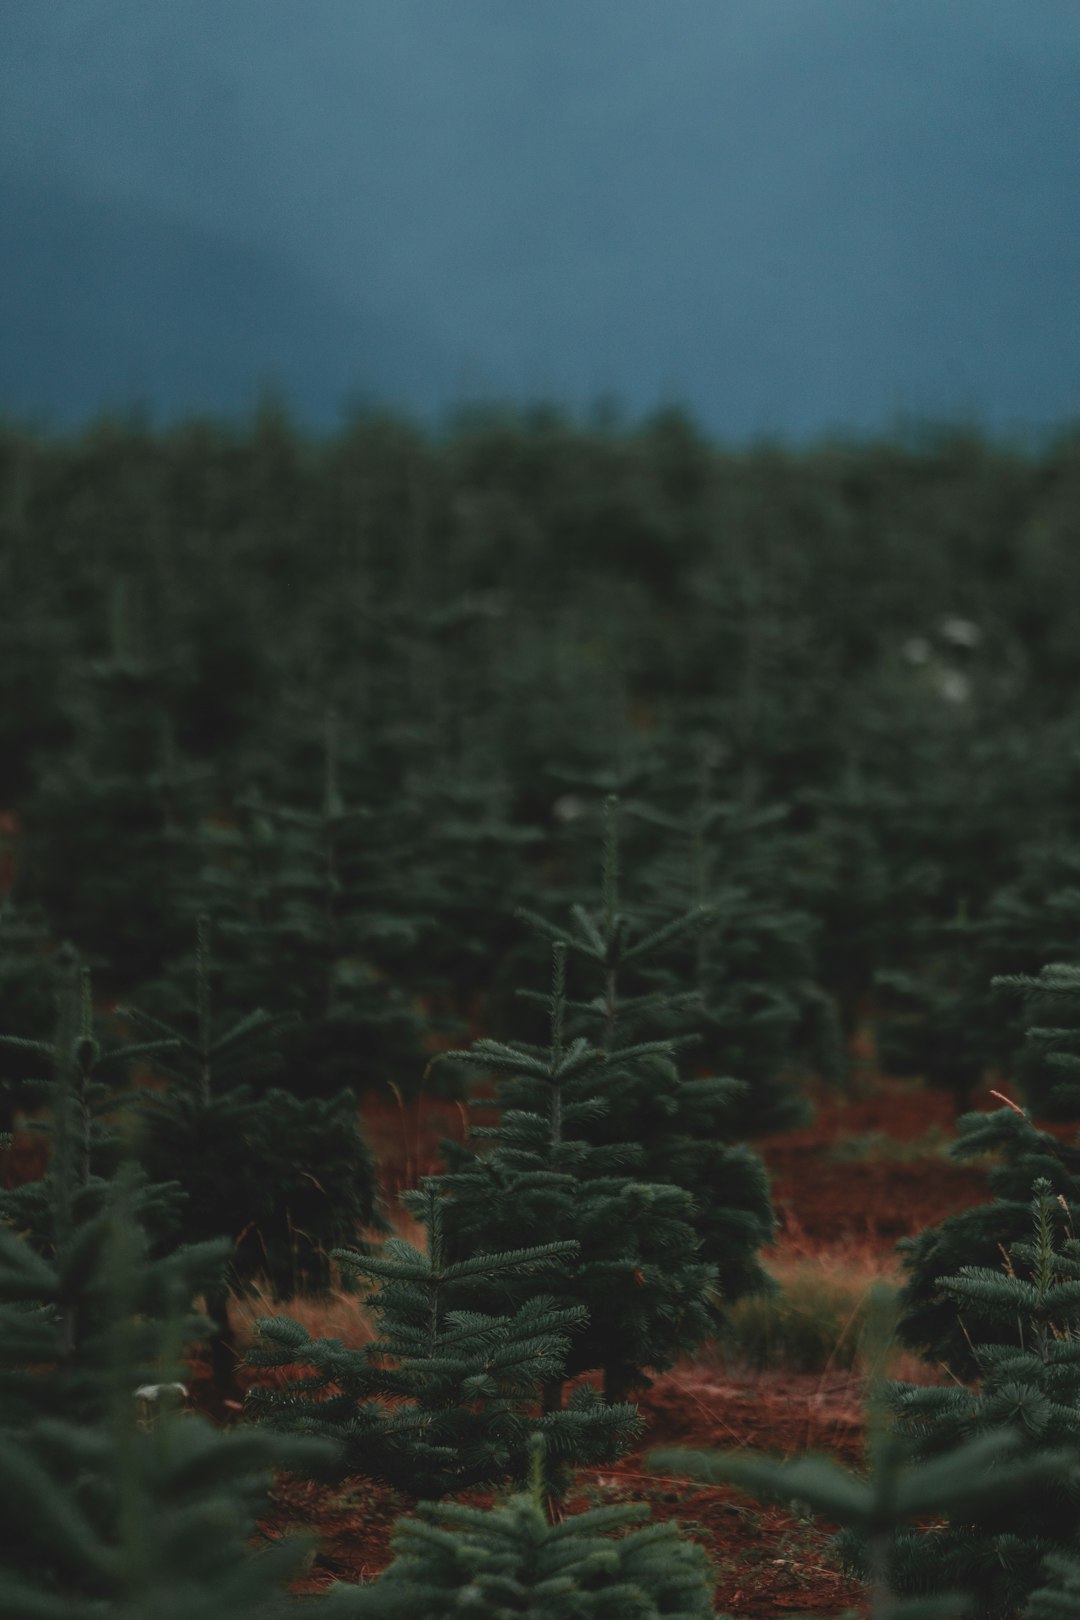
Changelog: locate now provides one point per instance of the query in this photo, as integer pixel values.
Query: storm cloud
(788, 215)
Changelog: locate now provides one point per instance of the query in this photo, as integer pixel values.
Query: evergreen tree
(445, 1398)
(307, 899)
(847, 879)
(55, 1301)
(287, 1179)
(461, 858)
(986, 1473)
(510, 1560)
(1049, 1061)
(683, 1126)
(1031, 1389)
(97, 1096)
(760, 1010)
(946, 1016)
(110, 1517)
(932, 1022)
(124, 778)
(640, 1274)
(976, 1236)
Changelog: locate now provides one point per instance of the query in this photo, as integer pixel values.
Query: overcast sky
(788, 215)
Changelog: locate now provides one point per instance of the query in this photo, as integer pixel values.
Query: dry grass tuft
(815, 1321)
(336, 1314)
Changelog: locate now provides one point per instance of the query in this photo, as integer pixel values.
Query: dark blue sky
(788, 215)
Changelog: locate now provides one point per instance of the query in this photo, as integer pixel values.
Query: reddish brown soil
(831, 1200)
(767, 1561)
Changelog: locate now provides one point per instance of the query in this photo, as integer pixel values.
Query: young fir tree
(111, 1516)
(986, 1473)
(932, 1020)
(640, 1274)
(123, 779)
(760, 1010)
(446, 1397)
(308, 899)
(682, 1125)
(945, 1016)
(1048, 1064)
(1030, 1390)
(98, 1095)
(860, 887)
(287, 1180)
(510, 1560)
(976, 1236)
(462, 857)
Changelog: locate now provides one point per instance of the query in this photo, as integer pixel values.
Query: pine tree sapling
(684, 1126)
(124, 782)
(309, 906)
(447, 1396)
(1029, 1389)
(108, 1517)
(97, 1102)
(509, 1560)
(1049, 1066)
(287, 1179)
(639, 1272)
(977, 1236)
(752, 962)
(990, 1472)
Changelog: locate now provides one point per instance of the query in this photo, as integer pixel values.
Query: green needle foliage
(92, 1109)
(954, 1015)
(1049, 1062)
(447, 1396)
(124, 778)
(111, 1518)
(510, 1561)
(760, 1011)
(684, 1126)
(286, 1179)
(639, 1273)
(990, 1472)
(1030, 1390)
(1049, 1066)
(307, 904)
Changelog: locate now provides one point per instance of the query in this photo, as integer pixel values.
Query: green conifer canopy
(1029, 1390)
(510, 1561)
(447, 1396)
(110, 1514)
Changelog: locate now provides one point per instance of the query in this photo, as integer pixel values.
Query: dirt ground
(767, 1560)
(869, 1169)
